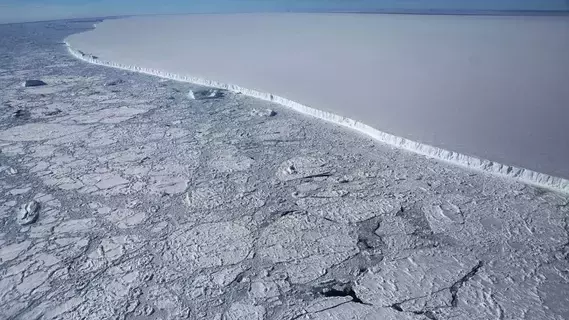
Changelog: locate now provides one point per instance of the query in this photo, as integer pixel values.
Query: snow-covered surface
(121, 197)
(489, 93)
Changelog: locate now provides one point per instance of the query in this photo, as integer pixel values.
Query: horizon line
(426, 12)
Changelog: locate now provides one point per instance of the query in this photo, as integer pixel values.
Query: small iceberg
(205, 94)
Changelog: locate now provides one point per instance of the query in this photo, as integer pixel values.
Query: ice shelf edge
(486, 166)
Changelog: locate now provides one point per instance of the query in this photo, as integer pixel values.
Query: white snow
(458, 89)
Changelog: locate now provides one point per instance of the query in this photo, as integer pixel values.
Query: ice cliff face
(469, 162)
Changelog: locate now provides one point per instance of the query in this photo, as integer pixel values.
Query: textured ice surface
(472, 87)
(151, 205)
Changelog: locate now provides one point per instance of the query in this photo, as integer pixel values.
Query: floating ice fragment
(33, 83)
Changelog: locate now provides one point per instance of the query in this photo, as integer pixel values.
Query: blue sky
(33, 10)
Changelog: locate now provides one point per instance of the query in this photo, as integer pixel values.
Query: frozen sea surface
(121, 197)
(490, 87)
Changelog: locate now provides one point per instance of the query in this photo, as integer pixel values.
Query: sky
(35, 10)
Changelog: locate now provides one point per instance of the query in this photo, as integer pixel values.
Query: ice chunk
(205, 94)
(33, 83)
(29, 213)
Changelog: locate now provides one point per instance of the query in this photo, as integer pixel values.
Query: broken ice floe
(245, 311)
(229, 159)
(349, 210)
(343, 308)
(205, 94)
(307, 245)
(39, 132)
(209, 245)
(422, 274)
(443, 218)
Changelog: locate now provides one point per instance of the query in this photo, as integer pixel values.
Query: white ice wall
(471, 87)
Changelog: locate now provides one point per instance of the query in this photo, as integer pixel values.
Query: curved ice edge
(523, 175)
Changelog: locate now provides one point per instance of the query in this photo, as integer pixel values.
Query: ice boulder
(205, 94)
(33, 83)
